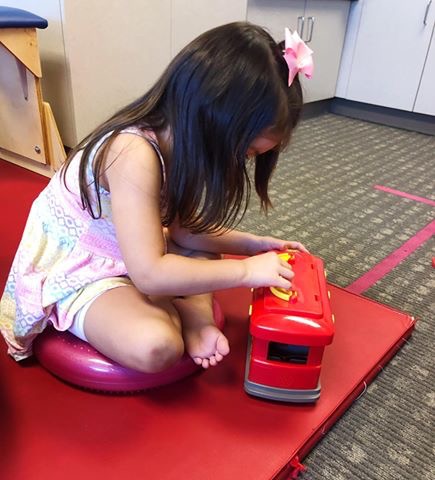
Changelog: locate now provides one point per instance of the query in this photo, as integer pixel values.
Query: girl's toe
(218, 356)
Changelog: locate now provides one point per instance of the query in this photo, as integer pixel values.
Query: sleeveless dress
(65, 258)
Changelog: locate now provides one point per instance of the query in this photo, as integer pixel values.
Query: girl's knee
(156, 351)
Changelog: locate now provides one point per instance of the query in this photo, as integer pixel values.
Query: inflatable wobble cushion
(77, 362)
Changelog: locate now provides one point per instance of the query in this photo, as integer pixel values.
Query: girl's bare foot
(206, 345)
(204, 342)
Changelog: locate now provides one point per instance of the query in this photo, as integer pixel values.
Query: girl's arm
(133, 177)
(232, 242)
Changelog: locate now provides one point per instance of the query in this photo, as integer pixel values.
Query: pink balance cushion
(75, 361)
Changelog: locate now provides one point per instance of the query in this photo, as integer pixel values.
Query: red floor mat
(202, 428)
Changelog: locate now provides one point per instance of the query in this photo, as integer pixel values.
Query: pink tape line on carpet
(388, 263)
(405, 195)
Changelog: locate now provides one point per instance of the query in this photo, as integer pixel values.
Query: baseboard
(314, 109)
(416, 122)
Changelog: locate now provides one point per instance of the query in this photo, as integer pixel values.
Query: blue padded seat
(17, 18)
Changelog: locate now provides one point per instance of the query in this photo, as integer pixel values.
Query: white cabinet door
(190, 18)
(390, 52)
(275, 15)
(322, 25)
(325, 28)
(425, 101)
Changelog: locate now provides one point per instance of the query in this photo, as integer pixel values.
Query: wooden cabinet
(28, 133)
(387, 52)
(20, 95)
(321, 24)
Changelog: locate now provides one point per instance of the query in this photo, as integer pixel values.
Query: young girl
(123, 246)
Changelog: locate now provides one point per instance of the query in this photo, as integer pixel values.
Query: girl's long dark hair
(217, 95)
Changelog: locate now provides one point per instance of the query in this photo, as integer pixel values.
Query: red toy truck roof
(303, 315)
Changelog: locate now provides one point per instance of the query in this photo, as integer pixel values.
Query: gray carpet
(323, 196)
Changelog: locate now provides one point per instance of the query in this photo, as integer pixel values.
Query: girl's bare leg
(129, 328)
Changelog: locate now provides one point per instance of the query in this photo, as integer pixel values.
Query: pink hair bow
(297, 55)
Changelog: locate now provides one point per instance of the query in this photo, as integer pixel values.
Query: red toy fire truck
(288, 334)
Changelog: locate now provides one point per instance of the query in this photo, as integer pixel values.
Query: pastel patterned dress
(65, 258)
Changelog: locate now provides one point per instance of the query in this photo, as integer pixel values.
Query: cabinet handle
(427, 13)
(301, 23)
(311, 27)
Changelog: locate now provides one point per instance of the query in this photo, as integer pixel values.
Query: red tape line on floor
(388, 263)
(405, 195)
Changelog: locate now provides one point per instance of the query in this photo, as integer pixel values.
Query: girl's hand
(266, 244)
(267, 270)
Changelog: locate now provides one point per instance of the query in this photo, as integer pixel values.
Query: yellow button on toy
(285, 256)
(284, 294)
